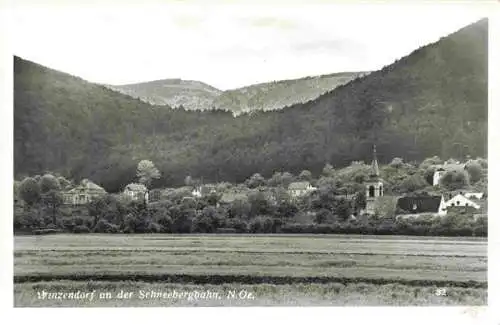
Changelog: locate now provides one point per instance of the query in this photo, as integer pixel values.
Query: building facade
(136, 192)
(298, 189)
(83, 193)
(461, 201)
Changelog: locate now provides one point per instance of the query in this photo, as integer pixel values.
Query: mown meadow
(275, 269)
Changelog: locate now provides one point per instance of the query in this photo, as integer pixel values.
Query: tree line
(261, 206)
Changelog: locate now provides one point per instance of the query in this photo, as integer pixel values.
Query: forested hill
(275, 95)
(195, 95)
(189, 94)
(432, 102)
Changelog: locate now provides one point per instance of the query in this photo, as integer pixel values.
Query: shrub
(455, 179)
(203, 224)
(396, 162)
(226, 231)
(239, 225)
(154, 227)
(78, 221)
(182, 222)
(80, 229)
(261, 224)
(48, 183)
(165, 221)
(323, 216)
(475, 172)
(255, 181)
(305, 175)
(46, 231)
(412, 183)
(29, 191)
(103, 226)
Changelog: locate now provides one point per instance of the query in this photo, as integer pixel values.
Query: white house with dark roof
(136, 191)
(460, 200)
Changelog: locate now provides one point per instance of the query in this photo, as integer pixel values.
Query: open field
(280, 270)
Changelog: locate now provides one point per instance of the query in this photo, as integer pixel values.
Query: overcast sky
(228, 46)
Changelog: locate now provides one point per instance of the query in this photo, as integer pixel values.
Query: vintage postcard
(217, 154)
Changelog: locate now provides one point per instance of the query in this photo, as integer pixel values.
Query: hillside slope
(278, 94)
(195, 95)
(432, 102)
(172, 92)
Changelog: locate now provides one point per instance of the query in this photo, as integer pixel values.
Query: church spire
(374, 170)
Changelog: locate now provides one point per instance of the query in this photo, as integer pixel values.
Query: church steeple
(374, 185)
(374, 169)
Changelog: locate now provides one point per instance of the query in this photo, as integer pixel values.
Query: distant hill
(195, 95)
(172, 92)
(278, 94)
(432, 102)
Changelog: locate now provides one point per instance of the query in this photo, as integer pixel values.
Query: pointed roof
(374, 172)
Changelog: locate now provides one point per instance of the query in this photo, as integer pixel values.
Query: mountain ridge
(272, 95)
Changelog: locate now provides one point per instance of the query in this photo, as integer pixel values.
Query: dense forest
(432, 102)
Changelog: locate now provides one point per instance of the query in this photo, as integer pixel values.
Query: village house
(83, 193)
(414, 206)
(460, 200)
(204, 190)
(136, 192)
(297, 189)
(154, 195)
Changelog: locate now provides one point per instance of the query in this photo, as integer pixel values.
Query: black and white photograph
(218, 154)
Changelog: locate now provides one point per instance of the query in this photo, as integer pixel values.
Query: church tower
(374, 185)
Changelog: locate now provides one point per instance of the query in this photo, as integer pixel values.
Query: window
(466, 204)
(371, 191)
(458, 202)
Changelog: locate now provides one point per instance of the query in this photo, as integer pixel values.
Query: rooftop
(419, 204)
(299, 185)
(136, 187)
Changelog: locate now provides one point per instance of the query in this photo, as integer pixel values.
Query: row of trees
(263, 204)
(400, 178)
(109, 215)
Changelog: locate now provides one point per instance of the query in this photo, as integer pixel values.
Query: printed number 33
(440, 292)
